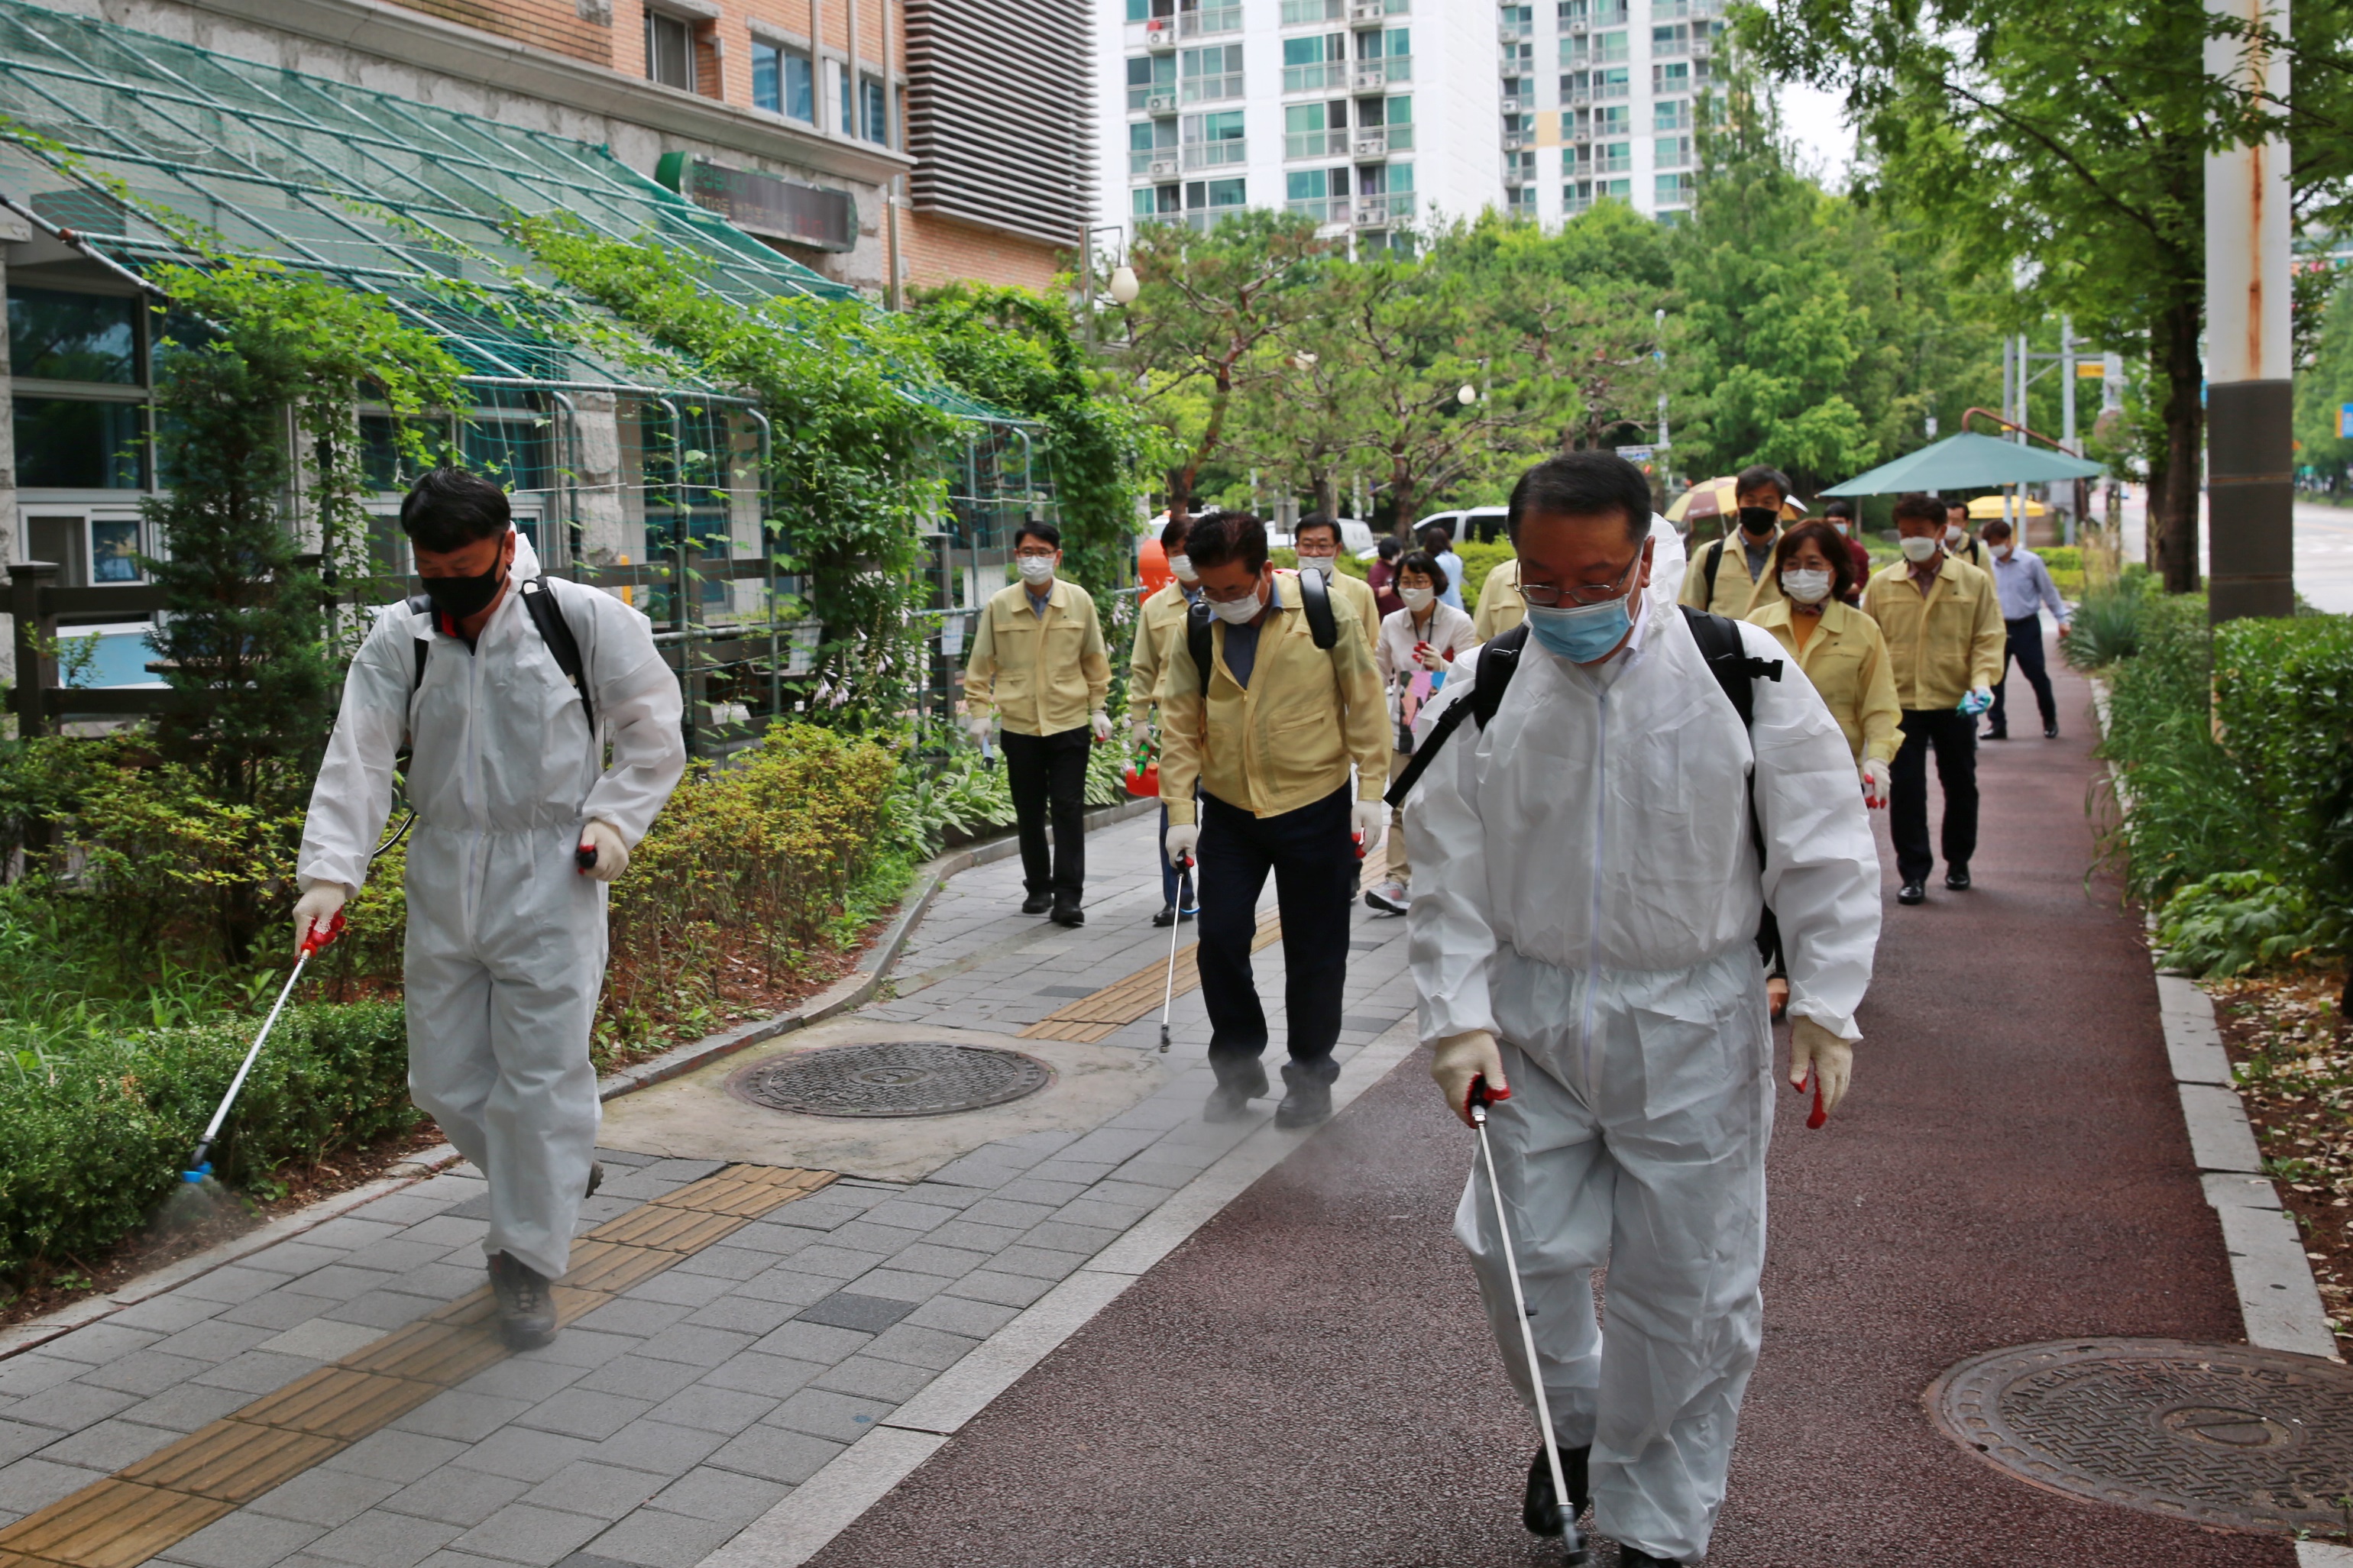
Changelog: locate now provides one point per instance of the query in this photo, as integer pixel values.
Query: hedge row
(91, 1144)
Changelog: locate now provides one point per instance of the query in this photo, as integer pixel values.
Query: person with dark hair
(1438, 544)
(1381, 575)
(1589, 893)
(1841, 515)
(1268, 712)
(2026, 590)
(1735, 587)
(1160, 626)
(1839, 648)
(1039, 663)
(508, 686)
(1417, 646)
(1959, 544)
(1942, 620)
(1316, 543)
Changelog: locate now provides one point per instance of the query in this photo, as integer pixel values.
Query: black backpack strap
(1715, 562)
(1736, 672)
(420, 605)
(1316, 598)
(556, 631)
(1197, 642)
(1499, 660)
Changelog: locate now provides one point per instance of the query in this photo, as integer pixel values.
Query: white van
(1478, 524)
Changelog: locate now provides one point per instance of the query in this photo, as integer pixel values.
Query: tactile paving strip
(1116, 1005)
(168, 1496)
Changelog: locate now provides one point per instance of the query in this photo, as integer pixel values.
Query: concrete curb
(852, 990)
(861, 1475)
(2278, 1300)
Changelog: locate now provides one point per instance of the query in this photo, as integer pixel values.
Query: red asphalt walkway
(1309, 1380)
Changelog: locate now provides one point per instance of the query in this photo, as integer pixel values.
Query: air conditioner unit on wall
(1164, 168)
(1364, 80)
(1160, 103)
(1370, 144)
(1511, 106)
(1373, 214)
(1365, 11)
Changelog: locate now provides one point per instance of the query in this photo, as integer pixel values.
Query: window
(1518, 57)
(1616, 119)
(1576, 161)
(1194, 18)
(1577, 197)
(874, 111)
(1212, 73)
(1522, 201)
(1150, 77)
(1394, 48)
(1157, 203)
(1571, 13)
(840, 73)
(1674, 190)
(1400, 122)
(1671, 114)
(1517, 21)
(1609, 12)
(1619, 189)
(1307, 127)
(1610, 46)
(1670, 79)
(1207, 201)
(63, 443)
(1611, 83)
(1576, 48)
(1670, 40)
(1614, 157)
(1313, 64)
(1671, 152)
(782, 82)
(1321, 195)
(670, 51)
(1213, 141)
(57, 336)
(1150, 142)
(1297, 12)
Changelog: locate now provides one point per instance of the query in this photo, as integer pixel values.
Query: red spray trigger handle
(1481, 1097)
(584, 857)
(1818, 1116)
(319, 936)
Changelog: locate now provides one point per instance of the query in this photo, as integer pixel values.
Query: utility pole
(1659, 338)
(2249, 403)
(2067, 419)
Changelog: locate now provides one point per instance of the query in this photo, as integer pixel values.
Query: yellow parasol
(1986, 508)
(1717, 499)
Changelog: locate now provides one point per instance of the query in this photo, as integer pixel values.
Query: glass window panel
(767, 92)
(114, 550)
(1306, 186)
(877, 112)
(63, 443)
(57, 336)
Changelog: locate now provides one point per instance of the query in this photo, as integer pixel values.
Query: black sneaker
(1957, 878)
(1166, 917)
(1238, 1085)
(1068, 913)
(1539, 1510)
(1037, 903)
(596, 1177)
(1996, 735)
(2049, 731)
(526, 1308)
(1911, 893)
(1306, 1100)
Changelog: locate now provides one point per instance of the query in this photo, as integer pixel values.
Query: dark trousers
(1313, 858)
(1953, 735)
(1174, 884)
(2024, 644)
(1048, 776)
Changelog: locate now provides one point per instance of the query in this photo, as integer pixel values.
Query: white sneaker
(1389, 898)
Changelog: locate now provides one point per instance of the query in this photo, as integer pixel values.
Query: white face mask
(1323, 563)
(1952, 535)
(1036, 570)
(2006, 551)
(1417, 599)
(1183, 566)
(1807, 587)
(1238, 612)
(1918, 550)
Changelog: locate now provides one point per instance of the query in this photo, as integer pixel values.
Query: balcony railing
(1315, 78)
(1368, 75)
(1160, 164)
(1160, 98)
(1314, 143)
(1610, 89)
(1516, 32)
(1516, 140)
(1214, 155)
(1210, 19)
(1210, 88)
(1615, 164)
(1322, 209)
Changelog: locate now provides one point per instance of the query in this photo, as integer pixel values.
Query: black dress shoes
(1037, 903)
(1539, 1510)
(1911, 893)
(1957, 878)
(1068, 913)
(1166, 917)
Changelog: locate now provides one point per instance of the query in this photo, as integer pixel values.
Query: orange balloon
(1152, 567)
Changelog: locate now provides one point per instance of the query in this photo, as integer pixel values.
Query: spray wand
(315, 939)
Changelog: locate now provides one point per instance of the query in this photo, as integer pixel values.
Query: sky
(1811, 118)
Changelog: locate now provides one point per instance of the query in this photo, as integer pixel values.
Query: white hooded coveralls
(506, 938)
(1586, 888)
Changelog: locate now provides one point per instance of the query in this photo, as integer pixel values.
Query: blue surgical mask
(1580, 633)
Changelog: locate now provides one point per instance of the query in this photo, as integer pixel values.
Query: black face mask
(461, 598)
(1758, 520)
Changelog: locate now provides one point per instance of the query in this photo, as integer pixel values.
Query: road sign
(2344, 420)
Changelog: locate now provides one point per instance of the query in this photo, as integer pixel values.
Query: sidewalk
(346, 1405)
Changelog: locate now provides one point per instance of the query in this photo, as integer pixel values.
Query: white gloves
(1976, 701)
(1139, 731)
(612, 855)
(1876, 781)
(1366, 818)
(316, 910)
(1183, 839)
(1458, 1060)
(976, 725)
(1813, 1049)
(1101, 721)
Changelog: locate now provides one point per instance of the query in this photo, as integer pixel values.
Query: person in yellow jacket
(1501, 604)
(1839, 648)
(1159, 624)
(1039, 663)
(1733, 575)
(1942, 620)
(1271, 731)
(1317, 544)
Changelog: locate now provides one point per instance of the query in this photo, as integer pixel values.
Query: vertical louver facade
(1000, 114)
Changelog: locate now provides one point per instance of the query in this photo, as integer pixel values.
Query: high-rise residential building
(1371, 114)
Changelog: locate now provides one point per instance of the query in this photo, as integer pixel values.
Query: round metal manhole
(896, 1078)
(2226, 1436)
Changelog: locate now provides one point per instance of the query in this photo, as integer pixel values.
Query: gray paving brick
(211, 1340)
(244, 1540)
(461, 1416)
(1003, 1289)
(865, 1234)
(1121, 1190)
(531, 1380)
(658, 1447)
(929, 1348)
(1100, 1214)
(861, 1313)
(457, 1494)
(341, 1281)
(931, 1196)
(256, 1372)
(813, 1342)
(824, 1413)
(696, 1345)
(527, 1454)
(1088, 1172)
(837, 1262)
(713, 1410)
(641, 1377)
(973, 1236)
(722, 1495)
(17, 1439)
(778, 1454)
(629, 1316)
(445, 1280)
(383, 1309)
(398, 1255)
(167, 1313)
(187, 1407)
(100, 1344)
(787, 1284)
(71, 1406)
(1060, 1236)
(741, 1314)
(1004, 1211)
(1037, 1262)
(598, 1492)
(654, 1538)
(400, 1456)
(276, 1312)
(777, 1241)
(32, 1372)
(298, 1257)
(724, 1262)
(582, 1347)
(913, 1213)
(959, 1315)
(353, 1231)
(874, 1378)
(930, 1257)
(325, 1498)
(673, 1289)
(586, 1413)
(444, 1230)
(35, 1483)
(900, 1284)
(380, 1540)
(109, 1445)
(752, 1372)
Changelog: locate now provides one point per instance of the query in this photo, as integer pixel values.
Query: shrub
(2106, 625)
(2236, 921)
(92, 1143)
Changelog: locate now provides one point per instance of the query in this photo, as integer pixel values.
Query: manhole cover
(2219, 1434)
(900, 1077)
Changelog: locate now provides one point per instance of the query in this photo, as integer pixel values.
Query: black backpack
(1314, 597)
(1728, 659)
(553, 630)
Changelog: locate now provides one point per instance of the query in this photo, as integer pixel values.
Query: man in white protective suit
(520, 823)
(1588, 946)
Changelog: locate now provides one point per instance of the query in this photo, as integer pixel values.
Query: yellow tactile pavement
(1092, 1018)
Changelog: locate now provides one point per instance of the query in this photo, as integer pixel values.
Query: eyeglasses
(1550, 595)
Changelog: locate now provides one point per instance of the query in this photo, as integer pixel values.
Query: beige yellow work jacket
(1846, 660)
(1941, 644)
(1041, 675)
(1158, 624)
(1734, 595)
(1501, 607)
